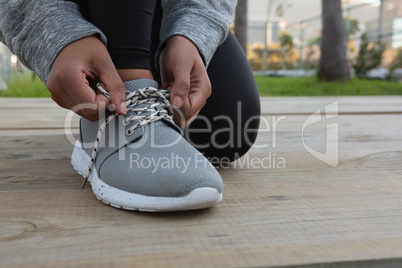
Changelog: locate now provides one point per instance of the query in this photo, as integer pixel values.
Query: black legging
(227, 125)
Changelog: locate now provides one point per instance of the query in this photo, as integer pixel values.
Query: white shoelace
(144, 115)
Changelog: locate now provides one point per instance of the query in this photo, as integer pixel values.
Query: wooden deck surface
(306, 213)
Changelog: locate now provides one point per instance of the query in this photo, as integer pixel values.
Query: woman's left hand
(183, 73)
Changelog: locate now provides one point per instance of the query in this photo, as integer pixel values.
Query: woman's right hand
(78, 66)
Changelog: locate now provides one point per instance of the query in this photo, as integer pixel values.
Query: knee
(227, 136)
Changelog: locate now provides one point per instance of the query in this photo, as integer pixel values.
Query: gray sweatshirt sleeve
(203, 22)
(37, 30)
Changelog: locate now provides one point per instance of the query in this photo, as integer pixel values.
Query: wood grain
(307, 213)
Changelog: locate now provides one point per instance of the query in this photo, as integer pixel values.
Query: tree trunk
(240, 24)
(333, 62)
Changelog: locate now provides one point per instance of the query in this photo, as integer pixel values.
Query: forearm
(205, 23)
(37, 30)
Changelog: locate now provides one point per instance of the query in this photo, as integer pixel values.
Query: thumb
(181, 86)
(114, 85)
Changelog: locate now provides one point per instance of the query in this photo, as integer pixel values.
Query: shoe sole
(198, 198)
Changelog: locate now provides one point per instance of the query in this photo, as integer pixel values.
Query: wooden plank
(36, 119)
(26, 103)
(306, 213)
(270, 104)
(35, 148)
(34, 132)
(308, 105)
(48, 110)
(358, 135)
(276, 218)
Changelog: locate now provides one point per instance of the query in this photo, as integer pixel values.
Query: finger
(166, 76)
(195, 101)
(200, 89)
(57, 92)
(179, 117)
(60, 102)
(182, 115)
(102, 102)
(184, 119)
(188, 121)
(181, 85)
(83, 110)
(83, 99)
(114, 85)
(190, 112)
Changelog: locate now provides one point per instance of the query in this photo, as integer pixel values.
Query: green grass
(23, 86)
(311, 86)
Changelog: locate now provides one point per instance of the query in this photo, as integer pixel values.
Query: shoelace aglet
(83, 183)
(107, 95)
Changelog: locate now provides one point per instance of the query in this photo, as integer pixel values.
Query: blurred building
(391, 26)
(258, 30)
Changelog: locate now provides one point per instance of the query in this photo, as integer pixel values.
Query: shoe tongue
(134, 85)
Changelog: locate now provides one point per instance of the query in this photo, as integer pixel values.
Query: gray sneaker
(141, 161)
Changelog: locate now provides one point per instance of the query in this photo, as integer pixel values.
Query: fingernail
(123, 107)
(177, 101)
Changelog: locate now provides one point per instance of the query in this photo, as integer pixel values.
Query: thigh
(227, 125)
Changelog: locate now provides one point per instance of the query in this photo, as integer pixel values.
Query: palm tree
(333, 62)
(240, 24)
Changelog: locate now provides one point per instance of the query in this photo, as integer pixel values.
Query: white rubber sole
(197, 199)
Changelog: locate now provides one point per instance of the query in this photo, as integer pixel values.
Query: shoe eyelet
(129, 132)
